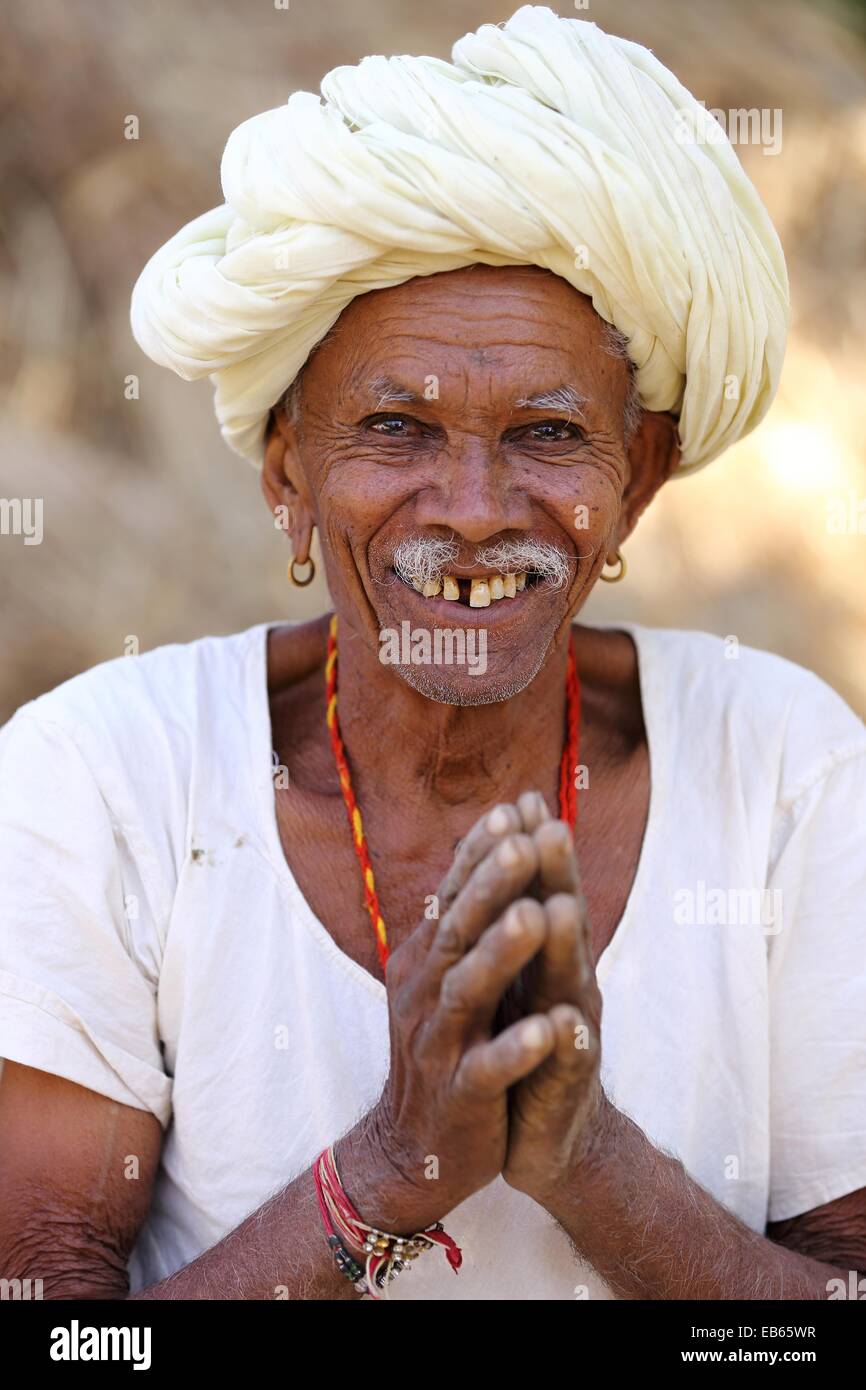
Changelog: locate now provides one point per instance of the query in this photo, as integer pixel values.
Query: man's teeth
(479, 594)
(450, 587)
(483, 591)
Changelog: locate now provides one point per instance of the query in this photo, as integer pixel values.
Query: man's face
(446, 409)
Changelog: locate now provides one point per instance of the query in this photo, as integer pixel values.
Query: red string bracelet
(386, 1254)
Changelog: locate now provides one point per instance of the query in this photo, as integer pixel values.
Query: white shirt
(155, 947)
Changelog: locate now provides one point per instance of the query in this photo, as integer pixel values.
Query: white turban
(546, 142)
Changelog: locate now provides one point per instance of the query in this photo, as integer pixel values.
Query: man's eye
(553, 431)
(394, 426)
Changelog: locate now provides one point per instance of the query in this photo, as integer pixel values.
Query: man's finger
(558, 977)
(533, 811)
(557, 861)
(470, 990)
(473, 848)
(504, 875)
(489, 1068)
(572, 1059)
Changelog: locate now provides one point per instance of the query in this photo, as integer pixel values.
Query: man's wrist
(592, 1169)
(377, 1185)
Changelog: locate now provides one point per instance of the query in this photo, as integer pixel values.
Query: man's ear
(653, 455)
(284, 485)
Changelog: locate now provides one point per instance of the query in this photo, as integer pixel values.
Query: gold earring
(308, 579)
(621, 572)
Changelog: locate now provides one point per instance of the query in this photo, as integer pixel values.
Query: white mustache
(428, 557)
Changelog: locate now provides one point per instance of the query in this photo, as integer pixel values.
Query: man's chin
(455, 690)
(456, 655)
(484, 683)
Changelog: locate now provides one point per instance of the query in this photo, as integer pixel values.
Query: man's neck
(405, 748)
(460, 755)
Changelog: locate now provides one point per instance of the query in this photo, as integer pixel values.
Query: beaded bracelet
(348, 1265)
(386, 1254)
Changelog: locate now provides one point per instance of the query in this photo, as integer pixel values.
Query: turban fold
(544, 142)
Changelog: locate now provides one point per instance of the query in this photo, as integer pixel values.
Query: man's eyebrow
(561, 398)
(386, 391)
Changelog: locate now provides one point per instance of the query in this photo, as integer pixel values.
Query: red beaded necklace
(567, 773)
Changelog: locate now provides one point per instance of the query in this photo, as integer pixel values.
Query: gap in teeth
(478, 592)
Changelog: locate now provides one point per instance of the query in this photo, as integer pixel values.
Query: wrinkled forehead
(476, 328)
(480, 300)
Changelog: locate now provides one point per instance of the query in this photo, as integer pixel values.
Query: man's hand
(558, 1112)
(446, 1098)
(494, 1016)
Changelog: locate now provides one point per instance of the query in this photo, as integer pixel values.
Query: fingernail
(508, 854)
(532, 1033)
(497, 821)
(558, 834)
(515, 922)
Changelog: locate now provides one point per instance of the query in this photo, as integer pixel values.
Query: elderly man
(301, 986)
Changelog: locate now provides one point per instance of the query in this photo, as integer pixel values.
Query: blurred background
(153, 530)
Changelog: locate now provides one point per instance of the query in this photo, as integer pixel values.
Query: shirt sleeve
(74, 999)
(817, 984)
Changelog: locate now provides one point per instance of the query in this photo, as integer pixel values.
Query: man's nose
(475, 495)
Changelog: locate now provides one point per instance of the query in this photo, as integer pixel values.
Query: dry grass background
(153, 528)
